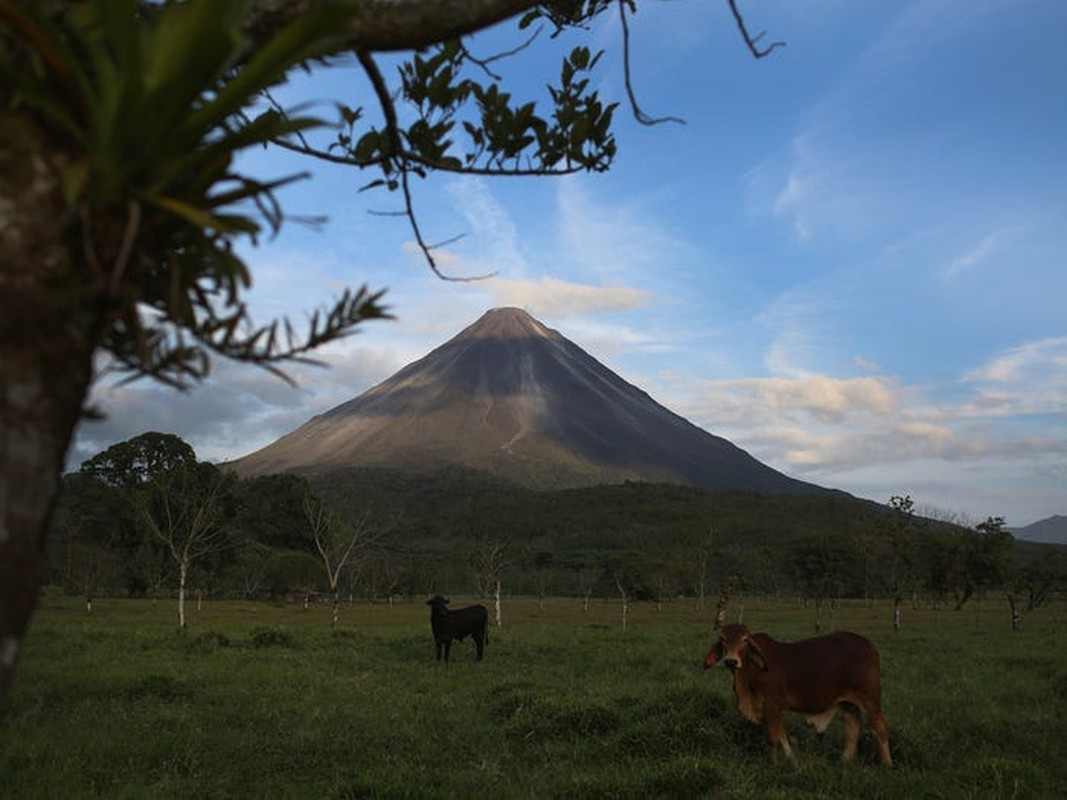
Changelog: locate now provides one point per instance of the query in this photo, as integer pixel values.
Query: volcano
(513, 398)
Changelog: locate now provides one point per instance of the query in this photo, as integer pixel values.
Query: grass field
(265, 701)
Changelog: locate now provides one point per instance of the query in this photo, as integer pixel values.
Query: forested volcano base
(461, 532)
(265, 700)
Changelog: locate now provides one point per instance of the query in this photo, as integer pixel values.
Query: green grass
(267, 702)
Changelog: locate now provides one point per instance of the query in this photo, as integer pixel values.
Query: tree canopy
(122, 203)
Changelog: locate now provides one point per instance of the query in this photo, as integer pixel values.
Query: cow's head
(734, 647)
(437, 602)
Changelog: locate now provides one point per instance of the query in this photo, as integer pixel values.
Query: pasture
(265, 701)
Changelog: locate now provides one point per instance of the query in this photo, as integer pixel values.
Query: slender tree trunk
(625, 602)
(336, 606)
(496, 601)
(1016, 617)
(183, 572)
(720, 608)
(88, 596)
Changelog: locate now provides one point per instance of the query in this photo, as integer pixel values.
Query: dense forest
(146, 518)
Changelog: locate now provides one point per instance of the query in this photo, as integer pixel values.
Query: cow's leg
(850, 718)
(448, 649)
(881, 731)
(479, 643)
(777, 735)
(440, 648)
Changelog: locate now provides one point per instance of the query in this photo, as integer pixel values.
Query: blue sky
(849, 261)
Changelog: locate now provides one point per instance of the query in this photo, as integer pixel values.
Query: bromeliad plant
(151, 105)
(121, 203)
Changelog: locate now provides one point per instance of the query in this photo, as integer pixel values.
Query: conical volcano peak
(506, 323)
(518, 400)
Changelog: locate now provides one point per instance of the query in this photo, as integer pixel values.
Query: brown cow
(814, 677)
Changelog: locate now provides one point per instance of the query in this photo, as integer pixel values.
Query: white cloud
(238, 409)
(557, 298)
(758, 402)
(1032, 360)
(1028, 379)
(1009, 427)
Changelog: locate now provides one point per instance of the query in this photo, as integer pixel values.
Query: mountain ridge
(1050, 530)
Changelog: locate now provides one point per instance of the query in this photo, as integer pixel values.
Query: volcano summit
(516, 399)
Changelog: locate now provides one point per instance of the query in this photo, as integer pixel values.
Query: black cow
(457, 623)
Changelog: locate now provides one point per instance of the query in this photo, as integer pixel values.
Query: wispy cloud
(557, 298)
(1028, 379)
(981, 252)
(498, 243)
(866, 364)
(618, 239)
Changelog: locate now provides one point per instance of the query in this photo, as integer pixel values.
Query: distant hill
(512, 398)
(1051, 530)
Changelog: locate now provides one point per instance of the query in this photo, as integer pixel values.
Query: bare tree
(183, 509)
(339, 542)
(625, 600)
(899, 563)
(253, 564)
(489, 564)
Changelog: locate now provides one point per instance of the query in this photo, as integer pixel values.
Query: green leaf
(189, 213)
(317, 32)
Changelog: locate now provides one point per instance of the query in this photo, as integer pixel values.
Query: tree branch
(639, 115)
(382, 26)
(751, 41)
(402, 164)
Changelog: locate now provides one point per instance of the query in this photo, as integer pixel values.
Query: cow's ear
(756, 654)
(714, 655)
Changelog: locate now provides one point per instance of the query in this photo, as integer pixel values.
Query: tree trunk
(46, 346)
(336, 607)
(496, 601)
(183, 571)
(88, 597)
(625, 602)
(1016, 617)
(720, 608)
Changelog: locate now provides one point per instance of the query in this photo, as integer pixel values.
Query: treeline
(146, 518)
